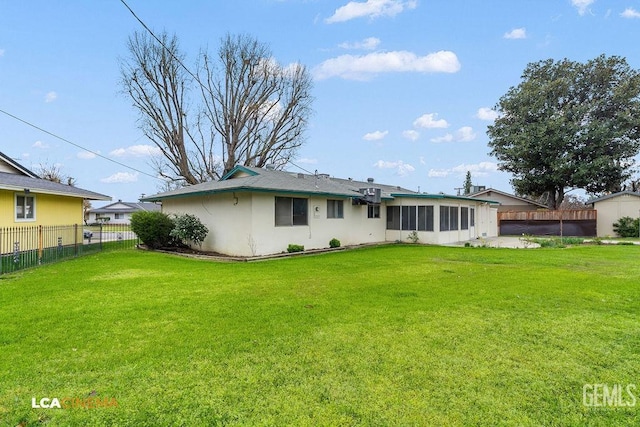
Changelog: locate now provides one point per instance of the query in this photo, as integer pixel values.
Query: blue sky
(404, 89)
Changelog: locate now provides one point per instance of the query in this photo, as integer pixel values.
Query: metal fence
(28, 246)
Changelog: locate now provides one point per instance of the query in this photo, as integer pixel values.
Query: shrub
(334, 243)
(626, 227)
(413, 237)
(295, 248)
(153, 228)
(189, 228)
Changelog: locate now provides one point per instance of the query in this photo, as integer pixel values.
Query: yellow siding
(50, 210)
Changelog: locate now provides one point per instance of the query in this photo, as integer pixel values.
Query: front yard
(393, 335)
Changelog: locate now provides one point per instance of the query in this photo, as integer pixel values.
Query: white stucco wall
(243, 224)
(611, 210)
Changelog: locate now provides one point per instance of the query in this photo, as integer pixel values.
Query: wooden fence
(574, 222)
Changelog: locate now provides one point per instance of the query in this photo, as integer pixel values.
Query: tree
(159, 87)
(467, 183)
(255, 109)
(569, 125)
(53, 172)
(259, 108)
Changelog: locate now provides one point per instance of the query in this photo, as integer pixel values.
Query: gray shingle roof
(243, 178)
(131, 207)
(11, 181)
(609, 196)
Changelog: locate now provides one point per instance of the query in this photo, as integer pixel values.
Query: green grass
(393, 335)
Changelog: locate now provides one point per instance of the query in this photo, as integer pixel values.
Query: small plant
(295, 248)
(467, 244)
(189, 228)
(413, 237)
(153, 228)
(334, 243)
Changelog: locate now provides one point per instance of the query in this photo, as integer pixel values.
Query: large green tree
(569, 125)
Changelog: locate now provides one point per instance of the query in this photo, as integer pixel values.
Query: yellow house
(29, 203)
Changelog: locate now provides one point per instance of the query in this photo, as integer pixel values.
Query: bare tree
(259, 108)
(53, 172)
(159, 87)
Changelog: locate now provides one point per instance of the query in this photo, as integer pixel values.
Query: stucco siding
(611, 210)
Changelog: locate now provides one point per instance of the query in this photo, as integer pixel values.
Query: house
(28, 200)
(253, 211)
(507, 202)
(612, 207)
(119, 212)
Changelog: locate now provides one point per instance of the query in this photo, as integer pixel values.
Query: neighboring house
(507, 202)
(27, 200)
(253, 211)
(119, 212)
(614, 206)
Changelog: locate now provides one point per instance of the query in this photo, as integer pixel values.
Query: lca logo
(76, 402)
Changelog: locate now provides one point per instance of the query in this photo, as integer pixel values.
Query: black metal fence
(28, 246)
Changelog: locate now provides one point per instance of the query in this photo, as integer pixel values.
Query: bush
(334, 243)
(189, 228)
(626, 227)
(413, 237)
(295, 248)
(153, 228)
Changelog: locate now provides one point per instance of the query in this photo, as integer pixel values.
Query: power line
(77, 145)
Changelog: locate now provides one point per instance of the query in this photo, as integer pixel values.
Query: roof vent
(369, 180)
(301, 175)
(270, 166)
(323, 175)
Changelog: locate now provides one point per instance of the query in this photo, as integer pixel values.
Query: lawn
(391, 335)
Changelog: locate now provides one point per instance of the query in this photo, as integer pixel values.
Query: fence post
(101, 225)
(40, 244)
(75, 238)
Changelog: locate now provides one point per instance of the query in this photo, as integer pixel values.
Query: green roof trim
(442, 196)
(236, 169)
(244, 189)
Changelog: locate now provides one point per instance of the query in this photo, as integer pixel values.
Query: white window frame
(15, 207)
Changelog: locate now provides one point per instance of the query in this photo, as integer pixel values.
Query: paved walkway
(500, 242)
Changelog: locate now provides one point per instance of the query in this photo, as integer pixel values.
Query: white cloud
(422, 161)
(465, 134)
(375, 136)
(402, 168)
(517, 33)
(445, 138)
(40, 144)
(121, 177)
(486, 113)
(136, 151)
(429, 121)
(370, 43)
(50, 97)
(2, 53)
(362, 67)
(86, 155)
(371, 9)
(477, 169)
(630, 13)
(411, 135)
(582, 5)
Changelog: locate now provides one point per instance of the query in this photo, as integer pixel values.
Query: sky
(403, 89)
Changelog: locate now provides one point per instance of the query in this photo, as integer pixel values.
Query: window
(25, 208)
(393, 217)
(472, 218)
(335, 209)
(464, 218)
(291, 211)
(425, 218)
(119, 216)
(408, 217)
(448, 218)
(373, 211)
